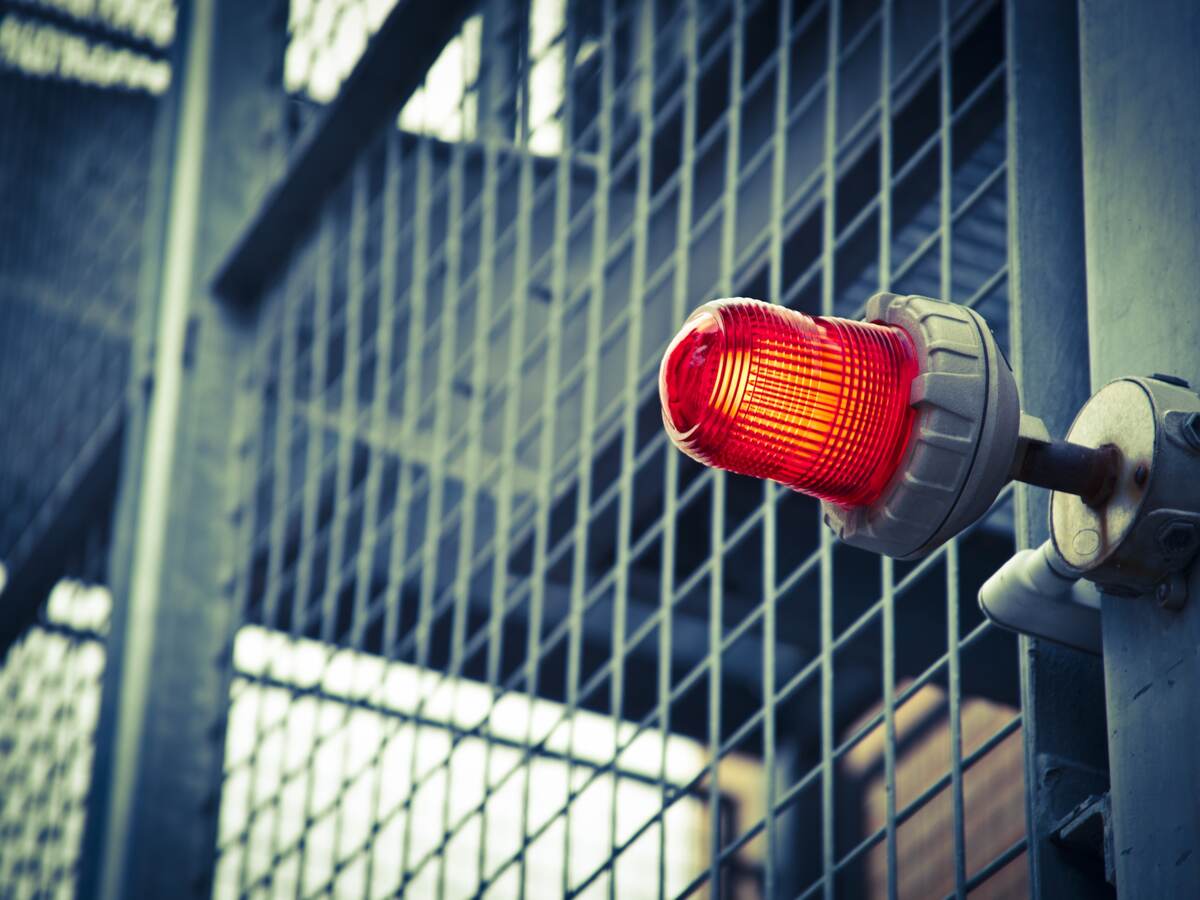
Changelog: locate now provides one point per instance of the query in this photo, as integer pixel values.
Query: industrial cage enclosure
(345, 552)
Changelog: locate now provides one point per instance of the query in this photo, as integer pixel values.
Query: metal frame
(150, 816)
(1062, 689)
(327, 149)
(1143, 202)
(610, 497)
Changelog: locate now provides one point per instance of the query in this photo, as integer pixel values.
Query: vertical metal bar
(510, 424)
(1143, 202)
(136, 644)
(343, 397)
(389, 205)
(496, 22)
(359, 425)
(313, 451)
(473, 438)
(716, 575)
(439, 473)
(644, 103)
(679, 300)
(286, 420)
(412, 390)
(889, 723)
(1062, 690)
(125, 518)
(828, 261)
(155, 828)
(887, 568)
(559, 290)
(512, 427)
(953, 666)
(376, 422)
(417, 322)
(771, 493)
(595, 325)
(161, 433)
(460, 587)
(954, 697)
(245, 474)
(345, 419)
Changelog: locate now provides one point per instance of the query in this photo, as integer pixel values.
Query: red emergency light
(819, 404)
(905, 425)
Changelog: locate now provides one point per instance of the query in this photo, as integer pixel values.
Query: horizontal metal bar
(91, 28)
(1016, 849)
(393, 66)
(83, 496)
(998, 737)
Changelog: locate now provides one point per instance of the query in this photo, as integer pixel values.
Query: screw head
(1177, 538)
(1171, 379)
(1191, 429)
(1171, 592)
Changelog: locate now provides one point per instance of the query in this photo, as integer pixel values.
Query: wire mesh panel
(79, 84)
(50, 683)
(78, 95)
(497, 637)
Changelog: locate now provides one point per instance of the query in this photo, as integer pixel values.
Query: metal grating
(79, 86)
(78, 96)
(495, 636)
(50, 684)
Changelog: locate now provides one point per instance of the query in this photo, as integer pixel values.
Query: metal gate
(494, 635)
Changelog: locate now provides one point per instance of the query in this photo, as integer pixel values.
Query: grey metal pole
(152, 815)
(1141, 128)
(1062, 689)
(132, 647)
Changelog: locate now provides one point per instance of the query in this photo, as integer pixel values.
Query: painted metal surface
(1061, 689)
(1142, 190)
(151, 818)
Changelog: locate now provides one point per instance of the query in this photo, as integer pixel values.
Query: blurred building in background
(345, 552)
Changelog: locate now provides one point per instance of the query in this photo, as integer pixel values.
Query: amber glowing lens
(818, 404)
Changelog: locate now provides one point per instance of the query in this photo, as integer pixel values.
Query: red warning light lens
(818, 404)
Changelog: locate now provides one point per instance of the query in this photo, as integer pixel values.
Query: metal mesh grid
(479, 592)
(50, 683)
(78, 94)
(78, 97)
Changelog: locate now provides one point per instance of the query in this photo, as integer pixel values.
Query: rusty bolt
(1191, 430)
(1176, 538)
(1171, 592)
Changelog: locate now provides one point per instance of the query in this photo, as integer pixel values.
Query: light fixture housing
(1130, 526)
(905, 426)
